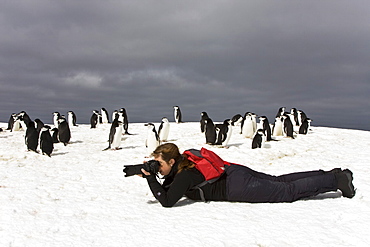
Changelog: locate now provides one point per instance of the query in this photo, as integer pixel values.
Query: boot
(345, 184)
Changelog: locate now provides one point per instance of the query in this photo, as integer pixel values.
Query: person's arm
(181, 184)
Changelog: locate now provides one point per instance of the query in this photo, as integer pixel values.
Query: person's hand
(145, 172)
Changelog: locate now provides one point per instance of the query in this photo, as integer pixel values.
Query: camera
(151, 166)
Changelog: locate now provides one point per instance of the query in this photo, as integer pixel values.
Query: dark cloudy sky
(221, 56)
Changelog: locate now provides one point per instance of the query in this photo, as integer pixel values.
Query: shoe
(345, 184)
(335, 170)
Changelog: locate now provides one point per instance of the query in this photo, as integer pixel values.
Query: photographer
(238, 183)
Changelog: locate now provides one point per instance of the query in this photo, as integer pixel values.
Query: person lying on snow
(238, 183)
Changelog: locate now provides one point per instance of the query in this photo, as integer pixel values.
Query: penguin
(152, 140)
(124, 120)
(12, 119)
(280, 112)
(210, 132)
(265, 126)
(104, 116)
(277, 129)
(287, 127)
(224, 133)
(294, 116)
(177, 114)
(54, 135)
(301, 116)
(46, 141)
(64, 133)
(164, 130)
(56, 116)
(259, 139)
(94, 119)
(24, 119)
(17, 124)
(303, 129)
(248, 126)
(203, 117)
(72, 119)
(32, 137)
(254, 122)
(115, 135)
(237, 119)
(39, 124)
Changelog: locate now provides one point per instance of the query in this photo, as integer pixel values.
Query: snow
(80, 197)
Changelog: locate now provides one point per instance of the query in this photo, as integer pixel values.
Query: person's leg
(243, 186)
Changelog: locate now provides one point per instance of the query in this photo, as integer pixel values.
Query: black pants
(246, 185)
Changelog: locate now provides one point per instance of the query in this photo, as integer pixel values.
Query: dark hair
(170, 151)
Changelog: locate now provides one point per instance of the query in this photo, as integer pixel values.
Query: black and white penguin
(72, 119)
(115, 115)
(32, 137)
(64, 133)
(104, 116)
(177, 114)
(237, 119)
(294, 116)
(280, 112)
(54, 135)
(203, 118)
(115, 135)
(210, 132)
(248, 125)
(152, 140)
(12, 119)
(94, 119)
(265, 125)
(38, 124)
(24, 119)
(301, 116)
(56, 116)
(224, 133)
(277, 129)
(123, 114)
(46, 141)
(303, 129)
(259, 139)
(288, 127)
(164, 130)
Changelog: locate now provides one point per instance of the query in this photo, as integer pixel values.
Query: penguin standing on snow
(72, 119)
(248, 126)
(303, 129)
(210, 132)
(104, 116)
(115, 135)
(164, 130)
(265, 125)
(64, 133)
(24, 119)
(46, 141)
(12, 119)
(38, 124)
(94, 119)
(294, 116)
(152, 140)
(301, 116)
(224, 133)
(287, 127)
(124, 120)
(32, 137)
(259, 139)
(203, 118)
(277, 129)
(177, 114)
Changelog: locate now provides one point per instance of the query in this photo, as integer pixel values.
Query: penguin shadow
(181, 203)
(267, 145)
(58, 153)
(73, 142)
(130, 147)
(233, 145)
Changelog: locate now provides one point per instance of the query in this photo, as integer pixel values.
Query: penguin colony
(37, 134)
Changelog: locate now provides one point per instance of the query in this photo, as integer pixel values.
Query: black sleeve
(181, 184)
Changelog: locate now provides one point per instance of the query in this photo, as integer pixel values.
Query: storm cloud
(222, 57)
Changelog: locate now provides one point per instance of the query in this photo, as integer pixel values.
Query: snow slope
(79, 196)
